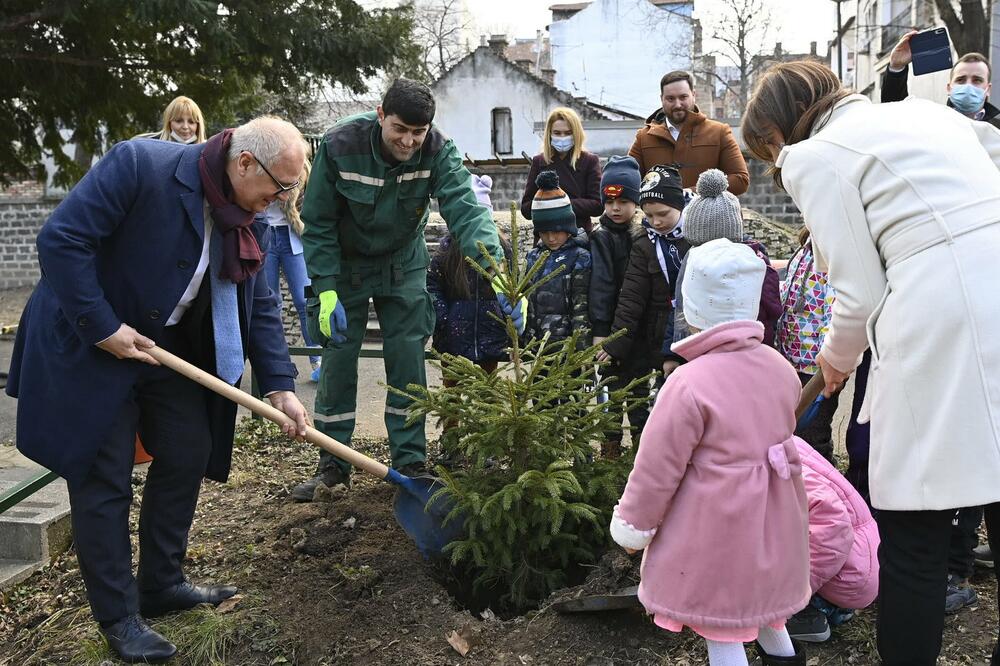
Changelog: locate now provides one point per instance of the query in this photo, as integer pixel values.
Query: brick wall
(764, 197)
(20, 220)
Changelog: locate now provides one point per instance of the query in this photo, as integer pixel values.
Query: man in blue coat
(156, 245)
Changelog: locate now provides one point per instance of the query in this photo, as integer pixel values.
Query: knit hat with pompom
(551, 209)
(715, 212)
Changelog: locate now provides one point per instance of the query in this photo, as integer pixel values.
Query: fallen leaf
(229, 604)
(461, 645)
(464, 639)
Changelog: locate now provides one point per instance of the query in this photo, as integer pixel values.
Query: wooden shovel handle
(812, 389)
(213, 383)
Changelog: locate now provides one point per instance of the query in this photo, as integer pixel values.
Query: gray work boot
(959, 595)
(329, 477)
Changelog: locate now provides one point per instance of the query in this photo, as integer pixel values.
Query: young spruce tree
(534, 502)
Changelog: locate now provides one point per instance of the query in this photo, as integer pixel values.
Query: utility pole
(840, 44)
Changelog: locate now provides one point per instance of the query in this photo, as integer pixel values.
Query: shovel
(628, 597)
(810, 400)
(423, 524)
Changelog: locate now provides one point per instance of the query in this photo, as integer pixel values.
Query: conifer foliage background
(534, 501)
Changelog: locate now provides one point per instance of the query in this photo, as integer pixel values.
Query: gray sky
(796, 22)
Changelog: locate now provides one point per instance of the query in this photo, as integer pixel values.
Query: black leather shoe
(136, 643)
(770, 660)
(182, 597)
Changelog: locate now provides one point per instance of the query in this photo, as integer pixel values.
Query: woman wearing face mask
(182, 123)
(579, 171)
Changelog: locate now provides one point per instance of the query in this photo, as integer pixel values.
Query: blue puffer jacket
(559, 307)
(464, 327)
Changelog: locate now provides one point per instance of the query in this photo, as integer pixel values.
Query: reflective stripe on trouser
(406, 318)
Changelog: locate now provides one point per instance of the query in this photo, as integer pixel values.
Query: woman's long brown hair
(790, 97)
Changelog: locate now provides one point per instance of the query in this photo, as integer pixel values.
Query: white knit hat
(722, 283)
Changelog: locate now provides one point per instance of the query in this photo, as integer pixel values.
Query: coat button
(83, 322)
(154, 314)
(183, 263)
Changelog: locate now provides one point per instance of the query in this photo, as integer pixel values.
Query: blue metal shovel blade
(810, 413)
(424, 525)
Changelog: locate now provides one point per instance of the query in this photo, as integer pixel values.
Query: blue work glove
(518, 313)
(332, 317)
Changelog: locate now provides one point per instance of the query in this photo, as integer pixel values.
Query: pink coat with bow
(843, 536)
(716, 495)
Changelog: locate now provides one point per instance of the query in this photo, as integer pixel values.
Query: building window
(503, 132)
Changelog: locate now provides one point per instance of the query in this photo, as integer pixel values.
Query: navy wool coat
(122, 248)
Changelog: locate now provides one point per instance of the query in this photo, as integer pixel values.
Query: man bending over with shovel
(365, 210)
(156, 245)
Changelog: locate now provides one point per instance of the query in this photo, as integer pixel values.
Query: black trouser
(858, 434)
(819, 432)
(913, 560)
(964, 538)
(169, 412)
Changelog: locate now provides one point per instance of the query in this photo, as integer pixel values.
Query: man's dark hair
(411, 101)
(674, 77)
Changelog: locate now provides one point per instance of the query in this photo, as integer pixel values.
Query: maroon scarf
(241, 256)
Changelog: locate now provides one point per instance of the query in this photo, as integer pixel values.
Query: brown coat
(702, 144)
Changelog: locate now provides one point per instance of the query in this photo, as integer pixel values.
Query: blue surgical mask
(562, 143)
(967, 98)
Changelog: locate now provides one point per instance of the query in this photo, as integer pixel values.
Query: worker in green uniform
(364, 212)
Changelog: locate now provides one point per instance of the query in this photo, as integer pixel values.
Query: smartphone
(931, 51)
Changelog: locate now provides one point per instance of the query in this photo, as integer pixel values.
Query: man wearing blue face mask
(968, 87)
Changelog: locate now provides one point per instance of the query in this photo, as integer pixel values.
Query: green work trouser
(406, 317)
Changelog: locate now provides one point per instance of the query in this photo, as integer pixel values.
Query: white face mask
(562, 143)
(176, 137)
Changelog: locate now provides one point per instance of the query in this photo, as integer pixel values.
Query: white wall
(615, 51)
(467, 95)
(994, 54)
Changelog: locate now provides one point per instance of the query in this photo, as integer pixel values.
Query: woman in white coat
(903, 204)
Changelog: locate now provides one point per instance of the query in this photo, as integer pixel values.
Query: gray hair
(266, 137)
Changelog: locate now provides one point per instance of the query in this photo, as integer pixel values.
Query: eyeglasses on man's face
(282, 188)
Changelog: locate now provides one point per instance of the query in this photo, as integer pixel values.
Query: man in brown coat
(679, 134)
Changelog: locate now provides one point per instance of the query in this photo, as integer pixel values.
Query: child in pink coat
(716, 496)
(843, 536)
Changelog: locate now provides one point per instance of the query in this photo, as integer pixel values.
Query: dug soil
(338, 582)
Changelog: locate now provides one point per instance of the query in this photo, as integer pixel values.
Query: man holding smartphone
(968, 87)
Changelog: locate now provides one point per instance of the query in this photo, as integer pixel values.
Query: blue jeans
(279, 256)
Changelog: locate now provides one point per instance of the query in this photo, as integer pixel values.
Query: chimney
(482, 40)
(812, 48)
(497, 44)
(549, 74)
(536, 67)
(777, 48)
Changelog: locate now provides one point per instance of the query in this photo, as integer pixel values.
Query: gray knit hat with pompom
(714, 213)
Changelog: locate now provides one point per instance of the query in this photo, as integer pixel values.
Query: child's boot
(769, 660)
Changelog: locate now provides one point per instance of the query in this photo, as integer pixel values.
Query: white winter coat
(903, 204)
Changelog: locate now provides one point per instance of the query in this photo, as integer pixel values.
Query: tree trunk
(970, 31)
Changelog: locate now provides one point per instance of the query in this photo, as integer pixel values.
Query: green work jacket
(360, 208)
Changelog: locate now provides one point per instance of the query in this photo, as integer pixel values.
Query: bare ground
(339, 583)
